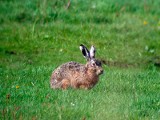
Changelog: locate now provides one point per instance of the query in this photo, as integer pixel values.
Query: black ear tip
(81, 45)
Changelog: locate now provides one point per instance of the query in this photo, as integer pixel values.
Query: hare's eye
(98, 63)
(93, 64)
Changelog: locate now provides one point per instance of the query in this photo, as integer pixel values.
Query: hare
(76, 75)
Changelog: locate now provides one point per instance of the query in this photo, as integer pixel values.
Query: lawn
(37, 36)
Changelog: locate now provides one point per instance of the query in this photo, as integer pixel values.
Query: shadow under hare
(76, 75)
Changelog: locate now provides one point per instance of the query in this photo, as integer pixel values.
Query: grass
(37, 36)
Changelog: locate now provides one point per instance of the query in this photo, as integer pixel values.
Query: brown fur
(76, 75)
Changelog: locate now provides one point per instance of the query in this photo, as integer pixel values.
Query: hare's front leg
(84, 85)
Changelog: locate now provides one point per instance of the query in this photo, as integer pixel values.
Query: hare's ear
(84, 51)
(92, 52)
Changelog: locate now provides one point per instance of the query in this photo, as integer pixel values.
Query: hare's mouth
(99, 72)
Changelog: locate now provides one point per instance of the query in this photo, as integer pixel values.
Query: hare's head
(92, 64)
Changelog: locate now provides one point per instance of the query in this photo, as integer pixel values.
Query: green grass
(36, 37)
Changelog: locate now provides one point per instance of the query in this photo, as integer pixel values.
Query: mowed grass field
(37, 36)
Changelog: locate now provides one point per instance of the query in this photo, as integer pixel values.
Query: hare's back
(69, 68)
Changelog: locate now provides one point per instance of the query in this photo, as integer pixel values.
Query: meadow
(37, 36)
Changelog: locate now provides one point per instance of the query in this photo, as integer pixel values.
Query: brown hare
(76, 75)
